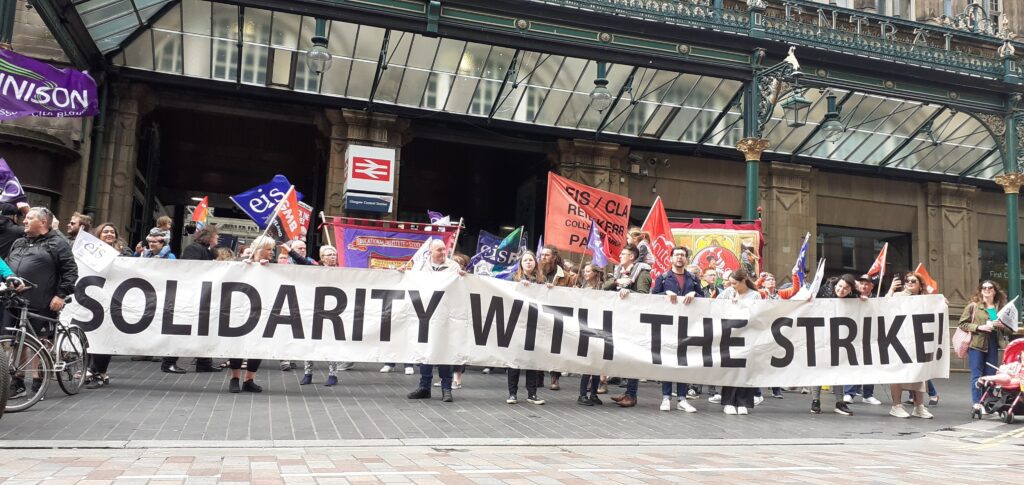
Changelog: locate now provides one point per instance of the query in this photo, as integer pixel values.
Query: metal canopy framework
(111, 22)
(201, 39)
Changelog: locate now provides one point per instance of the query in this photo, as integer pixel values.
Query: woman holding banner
(739, 400)
(911, 287)
(262, 253)
(988, 334)
(528, 273)
(592, 278)
(98, 363)
(843, 288)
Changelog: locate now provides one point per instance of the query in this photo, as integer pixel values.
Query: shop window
(992, 262)
(850, 250)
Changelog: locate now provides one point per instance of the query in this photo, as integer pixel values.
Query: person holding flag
(989, 334)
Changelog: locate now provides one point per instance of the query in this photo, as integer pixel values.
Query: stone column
(120, 154)
(788, 214)
(362, 128)
(597, 164)
(950, 242)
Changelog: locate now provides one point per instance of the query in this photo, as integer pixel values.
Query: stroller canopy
(1013, 351)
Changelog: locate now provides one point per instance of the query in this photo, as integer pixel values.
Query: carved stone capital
(1010, 182)
(752, 148)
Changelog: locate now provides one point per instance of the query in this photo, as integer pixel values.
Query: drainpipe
(96, 153)
(7, 22)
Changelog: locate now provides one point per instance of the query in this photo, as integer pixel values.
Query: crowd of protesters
(36, 251)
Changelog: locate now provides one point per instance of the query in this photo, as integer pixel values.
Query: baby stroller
(1002, 392)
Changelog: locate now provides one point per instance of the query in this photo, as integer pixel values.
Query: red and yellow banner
(724, 246)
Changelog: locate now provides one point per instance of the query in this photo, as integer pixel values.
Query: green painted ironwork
(1010, 165)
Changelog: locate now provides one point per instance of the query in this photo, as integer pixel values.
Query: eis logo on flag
(375, 169)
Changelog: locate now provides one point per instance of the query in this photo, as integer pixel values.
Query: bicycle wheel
(72, 353)
(30, 363)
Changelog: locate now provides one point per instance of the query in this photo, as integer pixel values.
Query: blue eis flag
(260, 201)
(800, 269)
(596, 245)
(497, 257)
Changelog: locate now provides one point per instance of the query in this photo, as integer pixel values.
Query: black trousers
(200, 362)
(534, 378)
(589, 384)
(252, 366)
(738, 396)
(98, 363)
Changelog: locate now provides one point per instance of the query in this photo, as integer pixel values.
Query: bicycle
(29, 356)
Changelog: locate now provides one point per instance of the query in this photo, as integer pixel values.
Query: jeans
(976, 360)
(589, 384)
(775, 390)
(666, 390)
(932, 391)
(866, 390)
(631, 387)
(533, 381)
(427, 375)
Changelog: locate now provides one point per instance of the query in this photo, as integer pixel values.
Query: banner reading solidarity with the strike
(230, 309)
(571, 208)
(32, 88)
(724, 246)
(362, 246)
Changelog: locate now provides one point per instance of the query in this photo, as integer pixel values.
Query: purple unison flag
(32, 88)
(12, 191)
(596, 246)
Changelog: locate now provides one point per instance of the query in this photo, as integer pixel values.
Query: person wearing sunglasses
(988, 334)
(912, 286)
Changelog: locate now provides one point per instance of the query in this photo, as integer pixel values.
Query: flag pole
(881, 276)
(277, 210)
(455, 240)
(327, 233)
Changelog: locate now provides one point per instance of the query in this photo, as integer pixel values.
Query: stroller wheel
(975, 414)
(1008, 418)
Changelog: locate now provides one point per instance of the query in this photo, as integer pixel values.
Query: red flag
(202, 211)
(930, 285)
(572, 207)
(287, 221)
(657, 226)
(878, 267)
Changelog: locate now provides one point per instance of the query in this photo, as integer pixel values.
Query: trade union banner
(724, 246)
(573, 206)
(32, 88)
(231, 309)
(364, 246)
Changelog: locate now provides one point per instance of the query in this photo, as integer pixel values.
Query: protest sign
(571, 208)
(231, 309)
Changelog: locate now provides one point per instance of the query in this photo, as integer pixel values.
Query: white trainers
(730, 410)
(758, 400)
(692, 394)
(870, 400)
(805, 390)
(921, 412)
(486, 370)
(409, 371)
(742, 411)
(682, 405)
(897, 411)
(386, 368)
(847, 398)
(535, 400)
(717, 398)
(666, 404)
(511, 400)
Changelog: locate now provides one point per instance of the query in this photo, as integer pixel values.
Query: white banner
(226, 309)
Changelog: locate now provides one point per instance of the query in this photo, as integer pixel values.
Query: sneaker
(18, 389)
(666, 404)
(692, 394)
(777, 394)
(921, 412)
(603, 388)
(286, 366)
(233, 386)
(346, 365)
(446, 395)
(331, 380)
(95, 384)
(306, 379)
(847, 398)
(730, 410)
(36, 384)
(584, 401)
(409, 371)
(717, 398)
(815, 407)
(843, 409)
(804, 390)
(420, 393)
(682, 405)
(534, 400)
(596, 400)
(437, 384)
(758, 400)
(250, 386)
(511, 399)
(385, 369)
(870, 400)
(486, 370)
(897, 411)
(742, 411)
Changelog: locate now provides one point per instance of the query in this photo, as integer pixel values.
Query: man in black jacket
(201, 249)
(9, 228)
(43, 258)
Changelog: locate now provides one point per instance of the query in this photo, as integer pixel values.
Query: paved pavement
(144, 404)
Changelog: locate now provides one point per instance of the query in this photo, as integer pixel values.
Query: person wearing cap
(9, 228)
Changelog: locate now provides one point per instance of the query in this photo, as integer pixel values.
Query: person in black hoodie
(43, 258)
(9, 228)
(202, 249)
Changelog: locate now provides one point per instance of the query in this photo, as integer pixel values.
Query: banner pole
(327, 232)
(273, 216)
(455, 240)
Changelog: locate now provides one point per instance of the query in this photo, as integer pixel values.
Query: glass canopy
(111, 22)
(202, 39)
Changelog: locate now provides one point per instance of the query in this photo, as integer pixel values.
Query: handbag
(962, 338)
